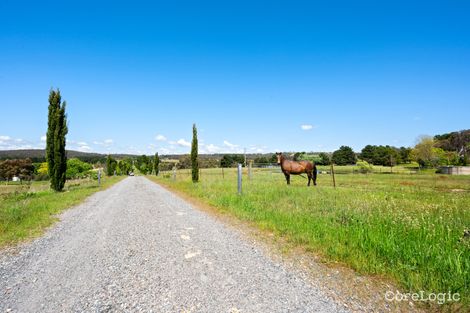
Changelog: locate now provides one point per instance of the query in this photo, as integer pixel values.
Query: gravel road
(138, 248)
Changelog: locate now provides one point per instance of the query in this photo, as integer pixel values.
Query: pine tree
(55, 143)
(156, 164)
(194, 161)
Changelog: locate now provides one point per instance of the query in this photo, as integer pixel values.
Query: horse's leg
(287, 178)
(309, 178)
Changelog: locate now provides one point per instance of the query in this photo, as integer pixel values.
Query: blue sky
(136, 75)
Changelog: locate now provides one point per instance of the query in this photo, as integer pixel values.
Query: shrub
(364, 167)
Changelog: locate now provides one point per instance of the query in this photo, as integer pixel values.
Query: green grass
(25, 215)
(405, 227)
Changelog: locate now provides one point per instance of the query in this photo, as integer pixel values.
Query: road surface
(136, 247)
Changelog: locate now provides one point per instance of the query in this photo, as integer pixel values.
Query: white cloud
(43, 138)
(105, 143)
(183, 143)
(84, 148)
(306, 127)
(211, 148)
(160, 137)
(230, 145)
(9, 143)
(257, 150)
(80, 145)
(232, 148)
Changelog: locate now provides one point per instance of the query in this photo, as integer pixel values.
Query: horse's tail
(314, 172)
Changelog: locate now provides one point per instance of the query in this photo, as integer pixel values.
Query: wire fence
(267, 170)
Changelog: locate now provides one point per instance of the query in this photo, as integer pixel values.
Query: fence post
(99, 178)
(333, 175)
(239, 178)
(223, 176)
(174, 173)
(249, 169)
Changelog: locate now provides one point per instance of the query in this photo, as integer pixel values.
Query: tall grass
(405, 227)
(26, 214)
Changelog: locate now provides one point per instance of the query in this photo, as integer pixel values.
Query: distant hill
(38, 155)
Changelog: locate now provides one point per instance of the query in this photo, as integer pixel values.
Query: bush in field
(344, 156)
(42, 171)
(77, 168)
(324, 159)
(364, 166)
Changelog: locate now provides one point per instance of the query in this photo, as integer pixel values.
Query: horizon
(260, 76)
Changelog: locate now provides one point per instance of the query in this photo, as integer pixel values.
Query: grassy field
(16, 187)
(25, 211)
(405, 227)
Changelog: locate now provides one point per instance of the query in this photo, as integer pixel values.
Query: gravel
(138, 248)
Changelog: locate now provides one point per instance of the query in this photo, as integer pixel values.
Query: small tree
(194, 162)
(22, 168)
(110, 165)
(424, 152)
(324, 159)
(55, 143)
(156, 164)
(364, 166)
(77, 168)
(344, 156)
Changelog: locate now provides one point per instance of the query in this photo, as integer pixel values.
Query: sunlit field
(406, 227)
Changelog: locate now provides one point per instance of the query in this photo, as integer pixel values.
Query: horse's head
(279, 157)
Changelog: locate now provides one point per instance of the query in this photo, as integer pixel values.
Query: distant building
(15, 178)
(455, 170)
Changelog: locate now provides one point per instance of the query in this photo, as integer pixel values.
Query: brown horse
(296, 168)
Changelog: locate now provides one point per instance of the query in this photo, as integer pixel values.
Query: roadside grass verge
(25, 215)
(407, 228)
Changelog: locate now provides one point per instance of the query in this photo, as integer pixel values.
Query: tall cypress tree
(194, 161)
(55, 143)
(156, 164)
